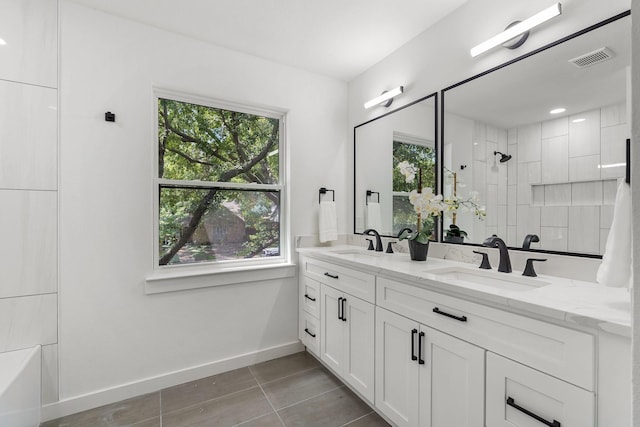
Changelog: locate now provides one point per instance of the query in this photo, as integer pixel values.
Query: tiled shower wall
(29, 182)
(554, 185)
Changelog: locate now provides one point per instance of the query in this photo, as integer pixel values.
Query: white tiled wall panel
(554, 128)
(584, 229)
(554, 216)
(28, 137)
(553, 238)
(30, 30)
(528, 173)
(555, 159)
(584, 168)
(609, 191)
(586, 193)
(27, 321)
(613, 115)
(49, 373)
(584, 136)
(528, 222)
(529, 143)
(614, 150)
(28, 254)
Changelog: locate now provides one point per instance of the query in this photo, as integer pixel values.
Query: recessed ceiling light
(2, 42)
(581, 119)
(557, 110)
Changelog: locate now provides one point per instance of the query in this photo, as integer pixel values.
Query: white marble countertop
(565, 300)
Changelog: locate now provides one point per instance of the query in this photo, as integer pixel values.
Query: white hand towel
(615, 269)
(373, 216)
(328, 221)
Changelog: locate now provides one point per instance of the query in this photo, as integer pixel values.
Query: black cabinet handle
(340, 308)
(512, 403)
(344, 316)
(458, 318)
(307, 331)
(333, 276)
(309, 298)
(420, 359)
(413, 344)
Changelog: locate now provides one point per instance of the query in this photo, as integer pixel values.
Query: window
(219, 183)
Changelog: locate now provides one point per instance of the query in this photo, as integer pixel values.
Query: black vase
(418, 251)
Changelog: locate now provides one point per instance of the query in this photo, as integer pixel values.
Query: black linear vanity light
(517, 32)
(503, 157)
(385, 99)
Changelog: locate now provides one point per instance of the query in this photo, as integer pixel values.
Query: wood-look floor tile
(301, 386)
(224, 411)
(124, 413)
(202, 390)
(284, 366)
(270, 420)
(332, 409)
(153, 422)
(371, 420)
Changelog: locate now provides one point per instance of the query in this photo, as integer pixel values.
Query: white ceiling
(337, 38)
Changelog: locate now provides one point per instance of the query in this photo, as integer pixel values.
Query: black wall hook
(109, 117)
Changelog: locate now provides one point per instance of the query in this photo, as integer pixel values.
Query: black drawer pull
(458, 318)
(512, 403)
(420, 359)
(307, 331)
(309, 298)
(333, 276)
(344, 316)
(340, 307)
(413, 344)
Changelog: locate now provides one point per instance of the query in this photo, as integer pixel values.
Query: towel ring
(324, 191)
(369, 194)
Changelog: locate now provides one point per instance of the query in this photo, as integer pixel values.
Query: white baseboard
(102, 397)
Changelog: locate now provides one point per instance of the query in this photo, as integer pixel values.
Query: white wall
(111, 333)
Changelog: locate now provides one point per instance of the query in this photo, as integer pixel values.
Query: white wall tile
(604, 234)
(492, 206)
(614, 150)
(479, 175)
(492, 133)
(50, 374)
(606, 216)
(529, 143)
(610, 189)
(586, 193)
(502, 220)
(28, 137)
(479, 138)
(584, 168)
(554, 216)
(27, 321)
(512, 168)
(553, 238)
(528, 223)
(556, 127)
(511, 236)
(28, 254)
(584, 137)
(503, 141)
(30, 30)
(555, 159)
(512, 136)
(557, 195)
(512, 215)
(528, 173)
(614, 115)
(584, 229)
(537, 195)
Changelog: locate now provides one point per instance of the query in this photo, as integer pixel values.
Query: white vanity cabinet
(426, 378)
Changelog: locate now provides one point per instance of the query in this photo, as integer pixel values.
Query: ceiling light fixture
(557, 110)
(513, 31)
(386, 97)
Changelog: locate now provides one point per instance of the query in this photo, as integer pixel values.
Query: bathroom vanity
(442, 342)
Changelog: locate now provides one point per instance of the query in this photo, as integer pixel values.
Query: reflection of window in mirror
(420, 153)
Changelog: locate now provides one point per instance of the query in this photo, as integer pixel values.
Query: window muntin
(219, 184)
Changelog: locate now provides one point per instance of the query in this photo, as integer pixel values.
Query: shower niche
(552, 175)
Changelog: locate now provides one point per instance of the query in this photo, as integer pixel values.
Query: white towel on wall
(615, 269)
(328, 221)
(373, 216)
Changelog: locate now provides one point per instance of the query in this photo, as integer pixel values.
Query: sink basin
(357, 253)
(496, 280)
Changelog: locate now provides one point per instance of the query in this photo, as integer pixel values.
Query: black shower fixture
(503, 157)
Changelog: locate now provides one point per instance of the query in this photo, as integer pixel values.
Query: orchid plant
(429, 206)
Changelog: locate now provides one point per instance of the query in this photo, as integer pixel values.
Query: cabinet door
(451, 381)
(396, 372)
(332, 328)
(359, 346)
(518, 395)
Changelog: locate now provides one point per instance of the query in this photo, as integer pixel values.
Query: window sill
(172, 281)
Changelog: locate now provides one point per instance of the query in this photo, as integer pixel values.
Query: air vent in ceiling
(593, 58)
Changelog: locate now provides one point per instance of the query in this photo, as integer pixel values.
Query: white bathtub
(20, 388)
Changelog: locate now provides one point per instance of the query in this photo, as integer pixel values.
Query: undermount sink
(506, 281)
(357, 253)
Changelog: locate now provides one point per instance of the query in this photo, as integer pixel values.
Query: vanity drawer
(310, 295)
(516, 395)
(562, 352)
(353, 282)
(310, 333)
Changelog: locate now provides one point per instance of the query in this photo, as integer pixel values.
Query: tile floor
(294, 390)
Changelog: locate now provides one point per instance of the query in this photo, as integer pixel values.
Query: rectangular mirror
(381, 195)
(543, 173)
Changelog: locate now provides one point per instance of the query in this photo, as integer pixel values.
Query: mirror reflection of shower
(503, 157)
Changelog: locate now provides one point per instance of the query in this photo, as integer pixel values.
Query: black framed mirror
(548, 178)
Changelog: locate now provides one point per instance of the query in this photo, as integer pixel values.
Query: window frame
(161, 272)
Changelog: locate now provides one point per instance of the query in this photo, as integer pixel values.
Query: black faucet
(528, 239)
(496, 242)
(378, 239)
